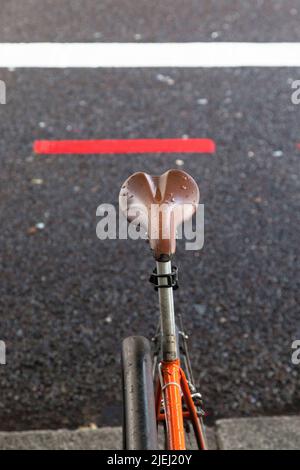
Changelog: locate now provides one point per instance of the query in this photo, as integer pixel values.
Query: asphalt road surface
(66, 298)
(159, 20)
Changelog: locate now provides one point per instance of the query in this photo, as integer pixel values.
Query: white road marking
(199, 54)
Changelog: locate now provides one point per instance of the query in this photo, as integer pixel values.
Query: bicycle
(158, 383)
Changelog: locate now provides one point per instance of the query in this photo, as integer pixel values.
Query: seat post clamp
(171, 278)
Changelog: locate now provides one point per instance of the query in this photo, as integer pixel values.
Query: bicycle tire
(139, 420)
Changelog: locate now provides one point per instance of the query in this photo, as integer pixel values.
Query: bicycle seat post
(166, 303)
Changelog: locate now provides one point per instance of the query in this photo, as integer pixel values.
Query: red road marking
(124, 146)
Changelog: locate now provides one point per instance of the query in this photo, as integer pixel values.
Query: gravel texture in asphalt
(144, 20)
(67, 299)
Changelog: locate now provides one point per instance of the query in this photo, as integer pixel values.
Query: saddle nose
(160, 204)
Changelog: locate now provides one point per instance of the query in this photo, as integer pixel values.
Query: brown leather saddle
(160, 204)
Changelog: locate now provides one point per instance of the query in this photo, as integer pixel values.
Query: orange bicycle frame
(173, 389)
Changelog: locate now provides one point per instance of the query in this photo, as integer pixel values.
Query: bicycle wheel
(139, 421)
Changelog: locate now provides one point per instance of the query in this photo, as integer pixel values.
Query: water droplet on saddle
(173, 199)
(183, 187)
